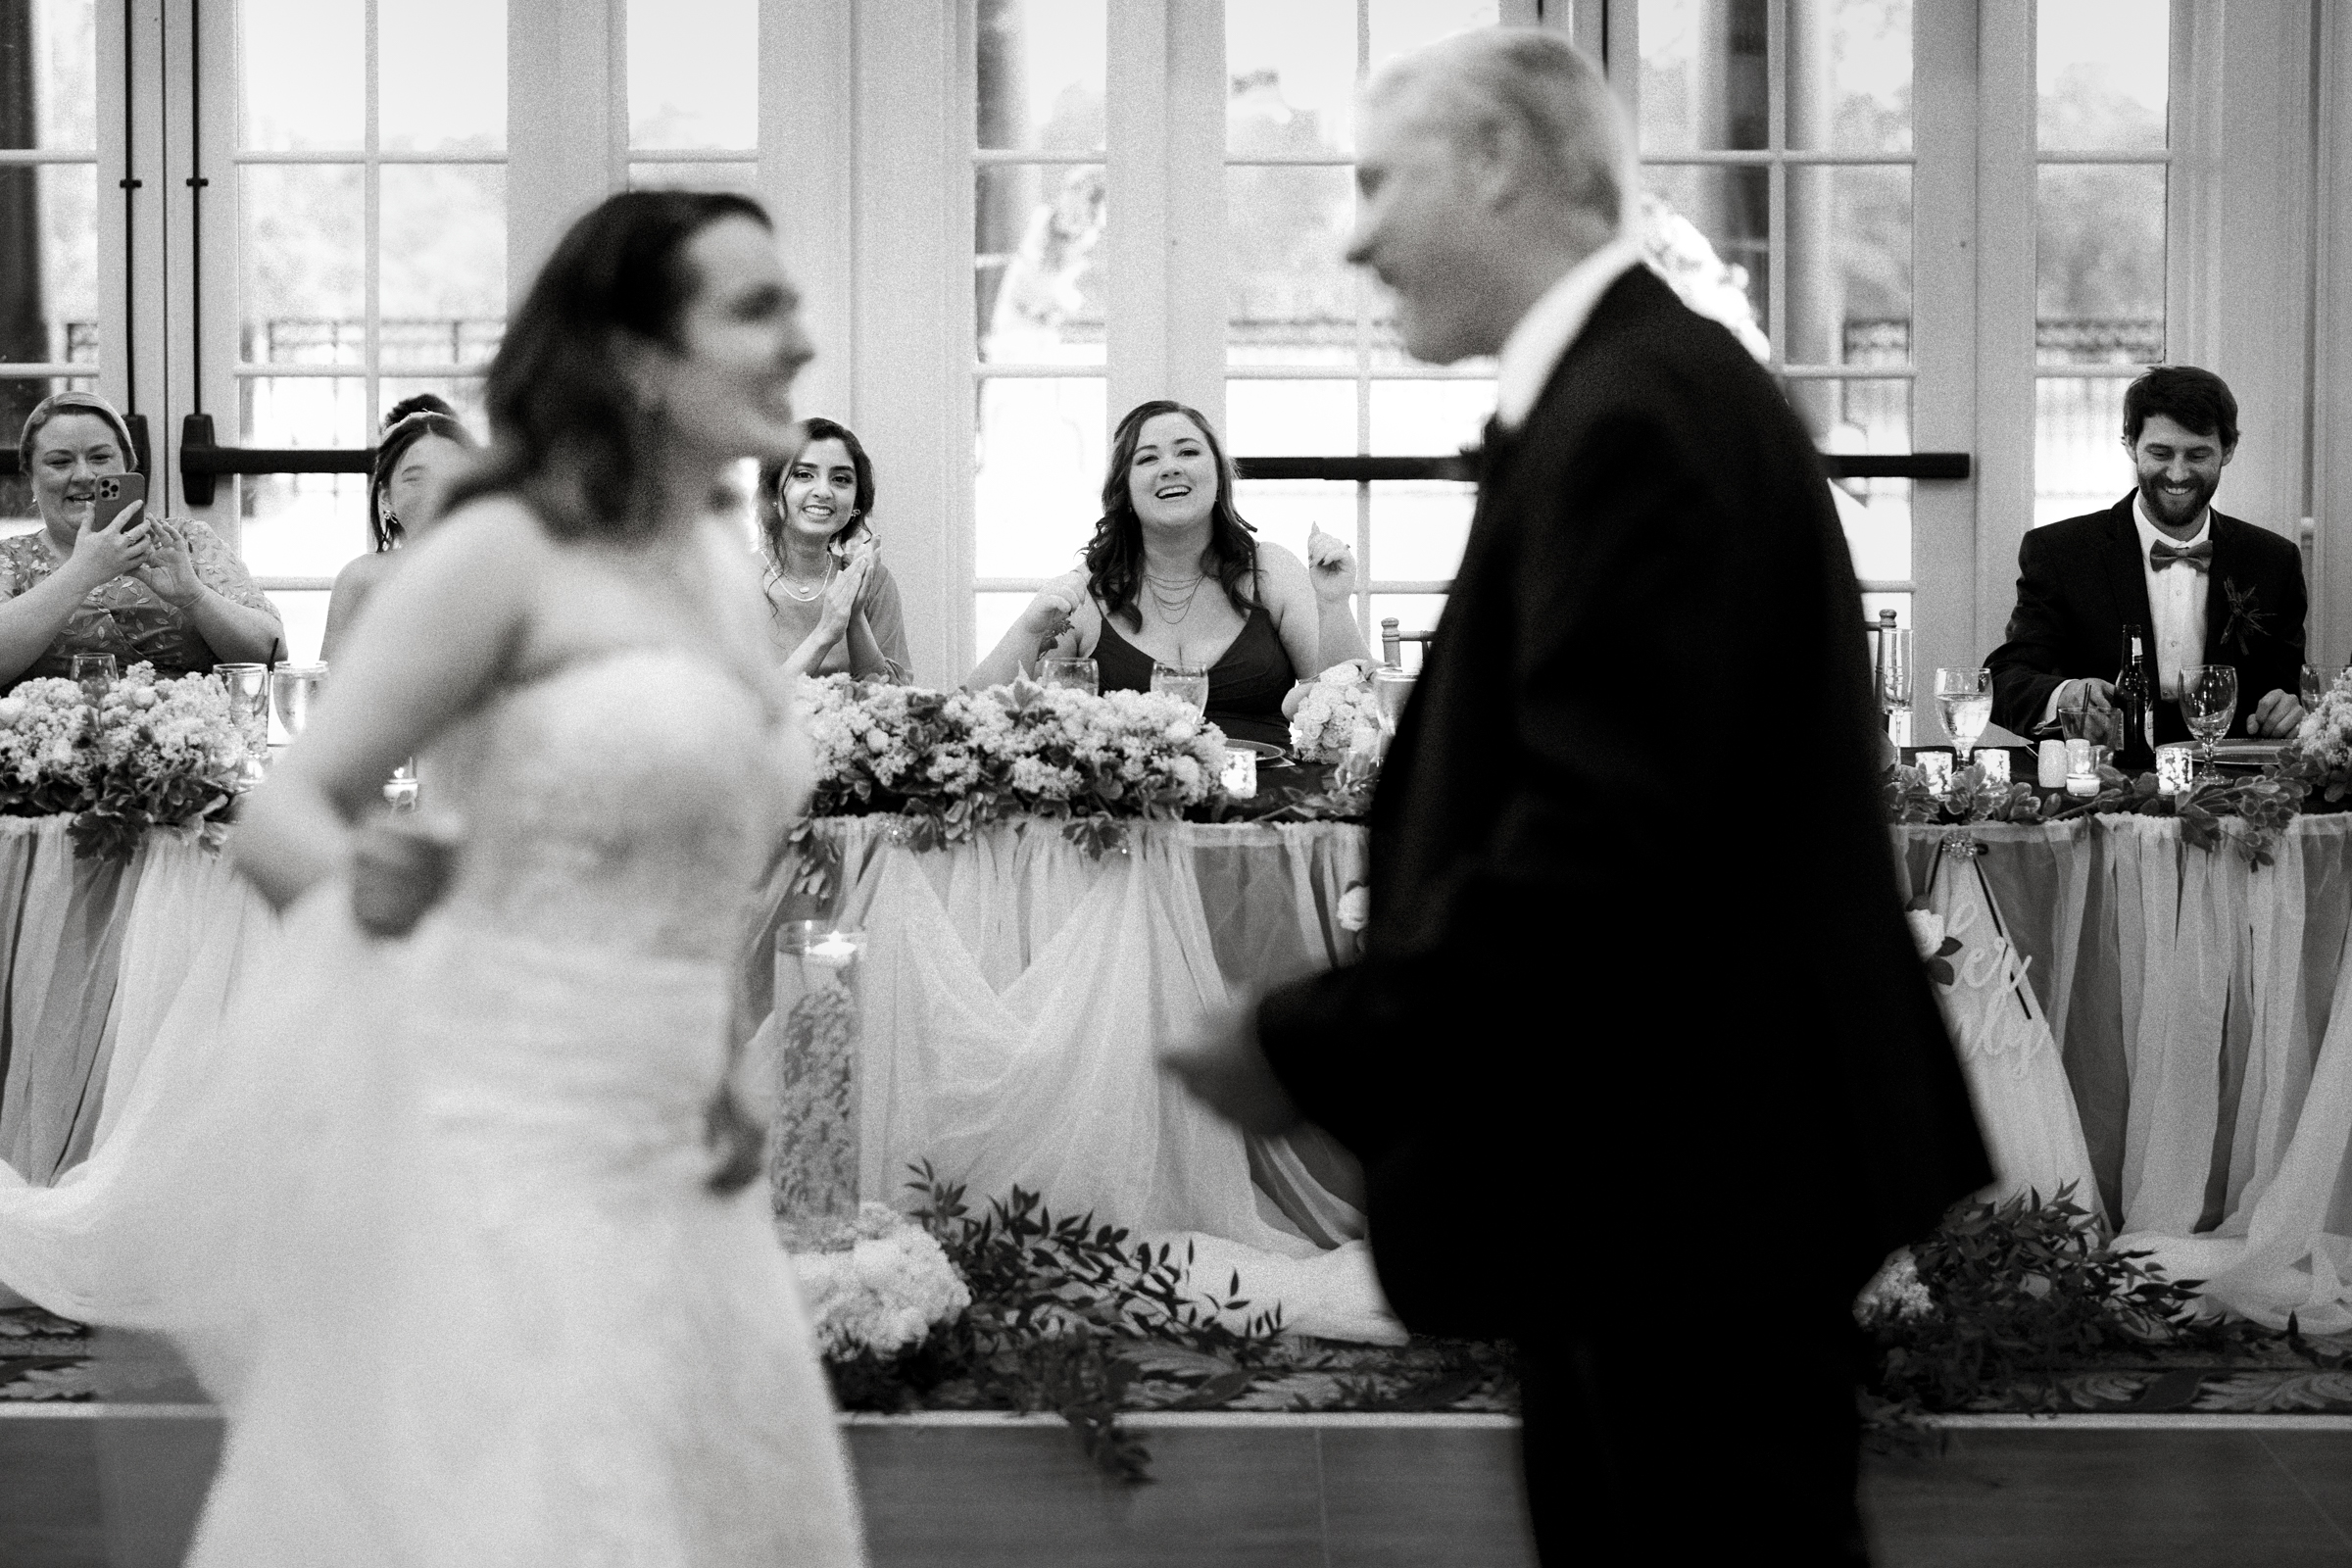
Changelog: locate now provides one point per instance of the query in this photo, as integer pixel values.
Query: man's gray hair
(1474, 84)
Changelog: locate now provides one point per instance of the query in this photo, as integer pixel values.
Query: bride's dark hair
(1115, 557)
(569, 432)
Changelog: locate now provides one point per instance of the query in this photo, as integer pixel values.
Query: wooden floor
(118, 1490)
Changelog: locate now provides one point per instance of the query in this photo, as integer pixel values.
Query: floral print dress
(123, 615)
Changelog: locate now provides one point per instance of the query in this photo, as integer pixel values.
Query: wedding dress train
(430, 1218)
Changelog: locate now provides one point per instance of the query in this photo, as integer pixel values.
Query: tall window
(693, 112)
(48, 213)
(1777, 156)
(1040, 209)
(371, 214)
(2103, 71)
(1314, 367)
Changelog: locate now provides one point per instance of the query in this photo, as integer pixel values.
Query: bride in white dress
(468, 1248)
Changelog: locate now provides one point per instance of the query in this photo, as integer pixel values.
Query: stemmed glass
(1391, 689)
(294, 691)
(1964, 699)
(2208, 701)
(1078, 674)
(1188, 682)
(2317, 682)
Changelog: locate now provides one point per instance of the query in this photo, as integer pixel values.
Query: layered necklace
(1174, 602)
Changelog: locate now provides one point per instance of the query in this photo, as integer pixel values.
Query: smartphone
(117, 493)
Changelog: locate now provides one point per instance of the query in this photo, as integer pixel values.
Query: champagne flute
(1391, 689)
(1964, 699)
(1188, 682)
(2208, 701)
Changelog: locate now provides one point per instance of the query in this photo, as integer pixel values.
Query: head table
(2159, 1024)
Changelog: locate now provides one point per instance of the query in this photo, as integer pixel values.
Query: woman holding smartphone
(100, 578)
(832, 606)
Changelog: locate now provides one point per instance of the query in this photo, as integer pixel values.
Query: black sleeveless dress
(1246, 685)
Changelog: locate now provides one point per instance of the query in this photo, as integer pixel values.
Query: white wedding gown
(429, 1216)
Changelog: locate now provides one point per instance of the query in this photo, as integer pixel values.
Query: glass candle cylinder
(813, 1151)
(1996, 763)
(2050, 766)
(2176, 768)
(1935, 768)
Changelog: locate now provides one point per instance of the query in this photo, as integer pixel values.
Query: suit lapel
(2127, 577)
(2226, 560)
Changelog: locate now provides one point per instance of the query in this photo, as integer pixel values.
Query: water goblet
(294, 691)
(1077, 674)
(2317, 683)
(1188, 682)
(94, 674)
(2208, 701)
(1964, 699)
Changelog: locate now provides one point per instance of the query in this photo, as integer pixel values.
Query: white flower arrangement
(1679, 254)
(2321, 754)
(964, 758)
(148, 753)
(1895, 1294)
(884, 1291)
(1333, 710)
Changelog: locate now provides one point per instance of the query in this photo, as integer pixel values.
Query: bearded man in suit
(2202, 588)
(1648, 1092)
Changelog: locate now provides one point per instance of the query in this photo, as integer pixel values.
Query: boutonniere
(2244, 617)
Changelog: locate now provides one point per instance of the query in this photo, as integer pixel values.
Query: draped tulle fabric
(429, 1216)
(1017, 994)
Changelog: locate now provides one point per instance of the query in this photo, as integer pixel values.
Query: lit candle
(1241, 773)
(2176, 768)
(1996, 763)
(2050, 765)
(836, 950)
(1936, 770)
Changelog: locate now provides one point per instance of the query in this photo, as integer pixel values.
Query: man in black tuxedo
(2202, 587)
(1641, 1063)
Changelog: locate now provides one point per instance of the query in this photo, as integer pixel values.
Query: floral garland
(2319, 757)
(147, 753)
(880, 1288)
(951, 762)
(2263, 806)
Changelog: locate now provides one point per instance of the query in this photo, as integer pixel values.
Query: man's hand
(1223, 1065)
(2277, 715)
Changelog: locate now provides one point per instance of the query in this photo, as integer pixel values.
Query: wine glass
(294, 691)
(1964, 699)
(1078, 674)
(94, 674)
(2317, 682)
(2208, 701)
(1188, 682)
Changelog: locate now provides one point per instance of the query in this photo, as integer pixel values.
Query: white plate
(1263, 750)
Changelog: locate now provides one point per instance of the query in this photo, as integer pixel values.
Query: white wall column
(2330, 628)
(1944, 262)
(566, 122)
(809, 181)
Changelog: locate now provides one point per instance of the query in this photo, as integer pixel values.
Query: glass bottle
(2134, 707)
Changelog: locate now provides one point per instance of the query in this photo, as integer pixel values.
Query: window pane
(49, 289)
(441, 75)
(17, 397)
(1728, 210)
(1702, 75)
(1849, 262)
(1850, 82)
(305, 73)
(1291, 418)
(742, 177)
(463, 393)
(2104, 69)
(56, 52)
(1042, 451)
(303, 275)
(1412, 612)
(1290, 295)
(445, 249)
(1293, 71)
(303, 614)
(1428, 418)
(1038, 247)
(1399, 26)
(1285, 512)
(1418, 530)
(1041, 65)
(694, 74)
(2099, 262)
(304, 524)
(2079, 460)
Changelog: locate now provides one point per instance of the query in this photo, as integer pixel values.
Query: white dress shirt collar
(1542, 337)
(2177, 600)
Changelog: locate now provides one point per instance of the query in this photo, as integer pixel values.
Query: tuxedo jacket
(2080, 581)
(1638, 1003)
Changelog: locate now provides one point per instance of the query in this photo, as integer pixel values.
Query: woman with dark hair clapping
(1174, 576)
(423, 451)
(832, 604)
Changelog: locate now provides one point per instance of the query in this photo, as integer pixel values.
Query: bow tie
(2198, 556)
